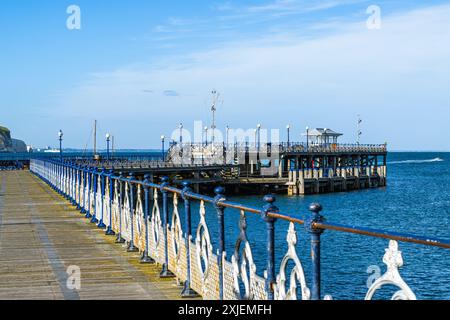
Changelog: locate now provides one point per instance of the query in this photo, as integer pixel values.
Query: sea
(416, 201)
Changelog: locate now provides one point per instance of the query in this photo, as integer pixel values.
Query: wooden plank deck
(41, 236)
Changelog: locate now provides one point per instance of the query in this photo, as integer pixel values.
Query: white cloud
(396, 77)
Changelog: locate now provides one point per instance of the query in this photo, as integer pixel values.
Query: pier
(292, 168)
(110, 226)
(43, 240)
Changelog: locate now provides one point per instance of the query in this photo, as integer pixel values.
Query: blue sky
(141, 67)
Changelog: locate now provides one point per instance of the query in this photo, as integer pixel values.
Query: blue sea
(416, 201)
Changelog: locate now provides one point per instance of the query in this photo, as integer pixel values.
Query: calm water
(417, 201)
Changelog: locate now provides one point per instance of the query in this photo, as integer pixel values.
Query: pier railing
(137, 212)
(302, 147)
(282, 147)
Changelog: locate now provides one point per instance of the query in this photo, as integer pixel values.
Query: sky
(142, 67)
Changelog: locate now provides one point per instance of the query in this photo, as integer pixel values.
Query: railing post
(52, 173)
(95, 186)
(65, 190)
(221, 225)
(270, 229)
(83, 188)
(89, 188)
(73, 183)
(69, 182)
(109, 230)
(56, 176)
(66, 181)
(165, 273)
(79, 187)
(101, 223)
(131, 246)
(145, 256)
(61, 177)
(315, 233)
(119, 238)
(187, 292)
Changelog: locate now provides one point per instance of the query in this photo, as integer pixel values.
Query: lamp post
(258, 146)
(307, 139)
(108, 139)
(288, 128)
(163, 145)
(60, 135)
(228, 135)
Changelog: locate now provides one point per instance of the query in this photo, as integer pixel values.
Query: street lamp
(288, 128)
(228, 135)
(307, 139)
(60, 135)
(259, 141)
(108, 139)
(163, 145)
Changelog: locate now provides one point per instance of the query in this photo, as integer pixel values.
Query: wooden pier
(42, 237)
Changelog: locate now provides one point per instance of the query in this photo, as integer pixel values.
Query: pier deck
(41, 236)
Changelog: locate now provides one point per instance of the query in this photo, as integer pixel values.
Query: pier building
(321, 165)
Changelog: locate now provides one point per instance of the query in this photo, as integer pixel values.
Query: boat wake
(417, 161)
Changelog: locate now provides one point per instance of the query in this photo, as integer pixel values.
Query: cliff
(7, 144)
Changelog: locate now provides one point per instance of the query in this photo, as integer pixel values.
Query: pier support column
(301, 185)
(197, 185)
(344, 179)
(295, 179)
(357, 182)
(331, 184)
(280, 169)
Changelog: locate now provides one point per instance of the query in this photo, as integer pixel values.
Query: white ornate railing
(137, 212)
